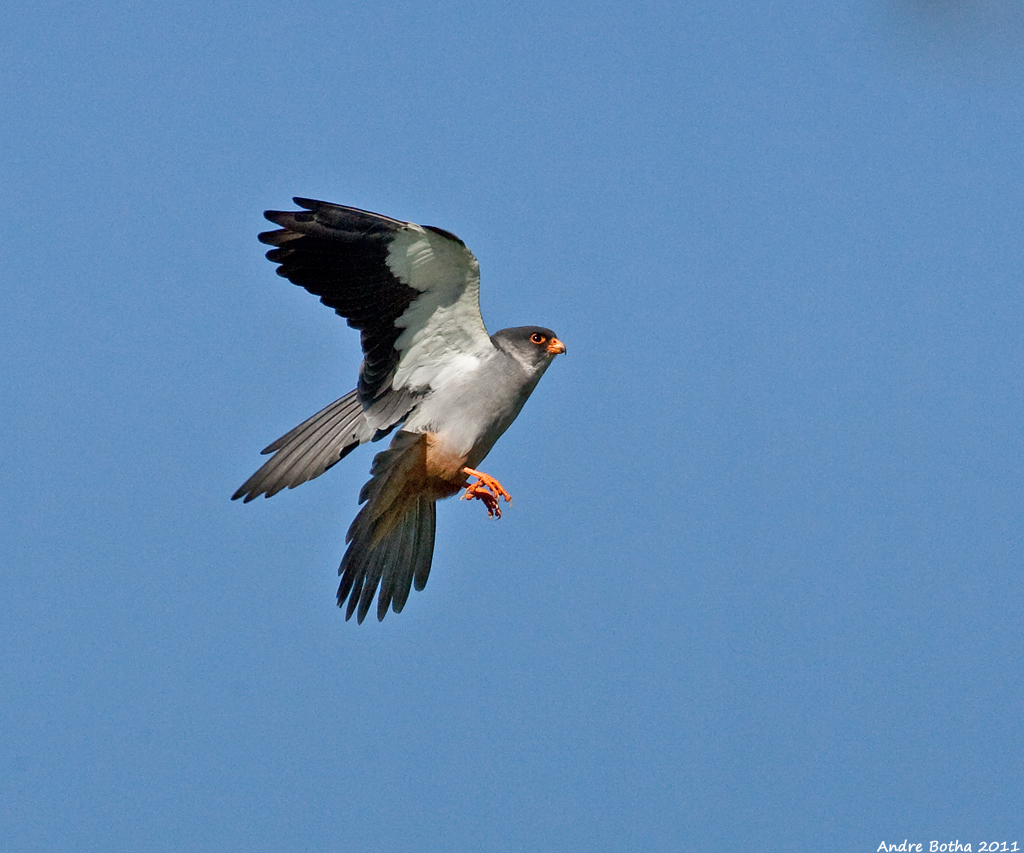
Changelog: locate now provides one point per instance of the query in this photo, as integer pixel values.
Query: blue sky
(761, 585)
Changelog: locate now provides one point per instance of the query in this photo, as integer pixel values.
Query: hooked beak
(555, 346)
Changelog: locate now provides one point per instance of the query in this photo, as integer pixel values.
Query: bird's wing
(412, 292)
(310, 449)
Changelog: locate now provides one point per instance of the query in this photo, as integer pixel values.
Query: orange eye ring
(538, 338)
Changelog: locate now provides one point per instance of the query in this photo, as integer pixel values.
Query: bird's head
(533, 346)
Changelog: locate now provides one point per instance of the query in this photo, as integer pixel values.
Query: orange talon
(486, 489)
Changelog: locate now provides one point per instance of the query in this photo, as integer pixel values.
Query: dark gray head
(531, 346)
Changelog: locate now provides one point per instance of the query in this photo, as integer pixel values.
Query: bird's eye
(538, 338)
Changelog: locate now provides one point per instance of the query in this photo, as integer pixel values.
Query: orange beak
(555, 346)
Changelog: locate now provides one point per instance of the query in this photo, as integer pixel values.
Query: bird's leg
(487, 489)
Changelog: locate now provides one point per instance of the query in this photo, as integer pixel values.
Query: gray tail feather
(310, 449)
(391, 540)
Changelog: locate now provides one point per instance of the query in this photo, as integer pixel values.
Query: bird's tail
(391, 540)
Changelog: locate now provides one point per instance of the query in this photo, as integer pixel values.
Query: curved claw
(486, 489)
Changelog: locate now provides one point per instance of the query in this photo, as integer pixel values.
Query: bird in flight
(430, 370)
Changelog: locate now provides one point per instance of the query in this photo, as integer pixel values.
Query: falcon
(430, 371)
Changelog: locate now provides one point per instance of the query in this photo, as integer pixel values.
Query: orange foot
(487, 489)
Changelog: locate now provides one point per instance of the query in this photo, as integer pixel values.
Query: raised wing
(412, 291)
